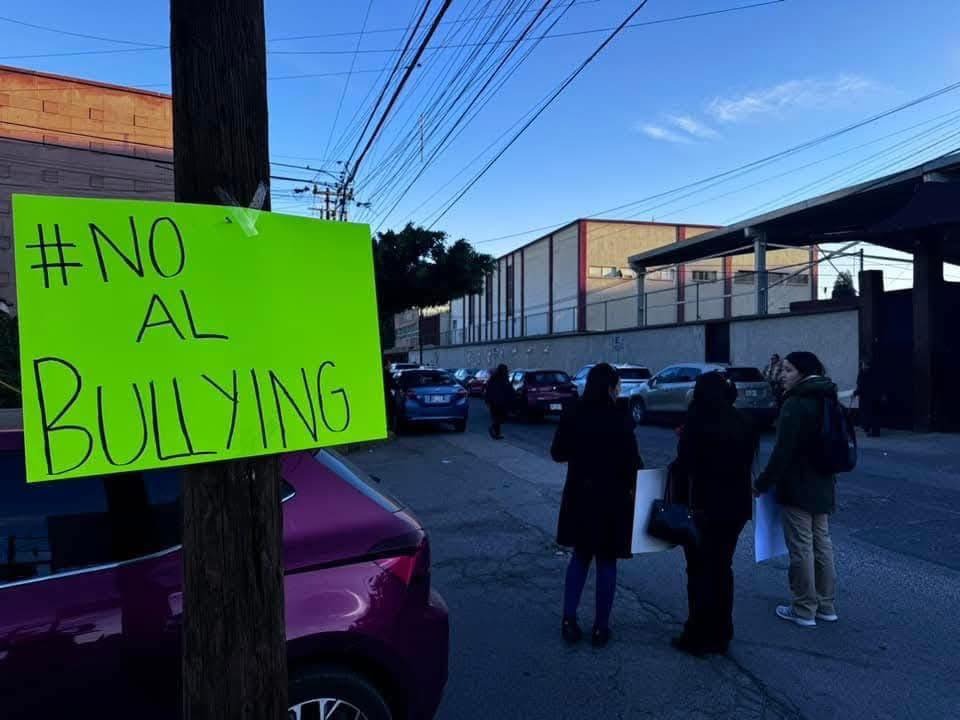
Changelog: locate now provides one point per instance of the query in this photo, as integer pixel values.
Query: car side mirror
(652, 382)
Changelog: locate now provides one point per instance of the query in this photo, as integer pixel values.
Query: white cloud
(803, 94)
(661, 133)
(694, 127)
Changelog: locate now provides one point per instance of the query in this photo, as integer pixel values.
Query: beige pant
(813, 578)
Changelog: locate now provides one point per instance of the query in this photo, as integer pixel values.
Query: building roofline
(737, 232)
(83, 81)
(578, 220)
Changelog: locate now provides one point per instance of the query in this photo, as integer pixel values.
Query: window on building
(627, 272)
(605, 272)
(704, 275)
(510, 288)
(743, 277)
(668, 275)
(489, 297)
(801, 279)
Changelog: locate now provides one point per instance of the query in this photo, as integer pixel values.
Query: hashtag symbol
(56, 249)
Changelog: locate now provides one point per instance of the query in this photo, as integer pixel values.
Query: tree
(9, 362)
(843, 287)
(416, 268)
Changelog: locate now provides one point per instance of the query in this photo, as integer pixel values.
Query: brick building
(67, 136)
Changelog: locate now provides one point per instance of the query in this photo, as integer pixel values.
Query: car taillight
(461, 392)
(413, 570)
(412, 394)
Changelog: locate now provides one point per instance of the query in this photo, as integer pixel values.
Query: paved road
(491, 508)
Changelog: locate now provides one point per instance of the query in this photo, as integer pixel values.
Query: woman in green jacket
(806, 495)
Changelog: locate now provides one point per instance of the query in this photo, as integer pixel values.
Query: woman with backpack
(595, 438)
(805, 492)
(712, 476)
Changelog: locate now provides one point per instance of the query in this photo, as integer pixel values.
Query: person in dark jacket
(499, 395)
(595, 438)
(868, 396)
(807, 495)
(712, 475)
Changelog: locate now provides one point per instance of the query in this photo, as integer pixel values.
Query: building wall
(833, 336)
(536, 280)
(566, 278)
(64, 136)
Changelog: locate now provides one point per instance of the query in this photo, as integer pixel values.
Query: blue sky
(664, 105)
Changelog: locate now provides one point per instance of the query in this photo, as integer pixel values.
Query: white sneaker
(786, 612)
(827, 617)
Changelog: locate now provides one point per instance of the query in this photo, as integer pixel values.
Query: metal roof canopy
(888, 211)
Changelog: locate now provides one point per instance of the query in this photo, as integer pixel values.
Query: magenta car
(91, 604)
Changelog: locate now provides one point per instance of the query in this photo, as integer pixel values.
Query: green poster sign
(156, 334)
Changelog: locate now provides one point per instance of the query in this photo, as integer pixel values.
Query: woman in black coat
(499, 396)
(712, 474)
(595, 438)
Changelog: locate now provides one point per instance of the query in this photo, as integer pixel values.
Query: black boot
(571, 632)
(600, 638)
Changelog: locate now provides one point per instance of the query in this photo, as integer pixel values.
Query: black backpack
(836, 450)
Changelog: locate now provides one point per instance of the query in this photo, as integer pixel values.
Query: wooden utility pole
(234, 648)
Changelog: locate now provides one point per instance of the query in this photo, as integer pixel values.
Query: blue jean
(577, 578)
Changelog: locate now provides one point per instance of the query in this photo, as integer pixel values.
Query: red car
(542, 392)
(477, 385)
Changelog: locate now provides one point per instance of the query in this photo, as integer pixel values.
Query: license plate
(556, 406)
(437, 399)
(752, 393)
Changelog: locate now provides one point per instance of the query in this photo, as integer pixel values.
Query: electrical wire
(352, 171)
(563, 86)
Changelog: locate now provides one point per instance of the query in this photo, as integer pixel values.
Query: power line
(751, 165)
(395, 160)
(404, 29)
(385, 51)
(79, 35)
(403, 81)
(443, 144)
(575, 33)
(539, 112)
(346, 83)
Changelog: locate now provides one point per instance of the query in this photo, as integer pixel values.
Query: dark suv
(538, 393)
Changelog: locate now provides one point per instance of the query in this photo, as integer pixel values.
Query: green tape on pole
(156, 334)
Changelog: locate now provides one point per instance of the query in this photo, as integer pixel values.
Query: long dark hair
(806, 363)
(501, 372)
(713, 395)
(601, 379)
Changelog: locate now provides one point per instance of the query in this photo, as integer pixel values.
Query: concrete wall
(536, 279)
(653, 347)
(566, 279)
(63, 136)
(833, 336)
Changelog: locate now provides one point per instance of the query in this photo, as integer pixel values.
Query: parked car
(91, 605)
(477, 385)
(670, 392)
(537, 393)
(465, 375)
(399, 367)
(429, 396)
(630, 377)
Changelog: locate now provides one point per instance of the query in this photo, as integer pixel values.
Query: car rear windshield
(356, 478)
(548, 377)
(744, 375)
(633, 373)
(425, 379)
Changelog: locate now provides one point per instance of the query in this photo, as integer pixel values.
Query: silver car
(631, 377)
(670, 392)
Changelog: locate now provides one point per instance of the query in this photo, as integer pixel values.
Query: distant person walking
(499, 395)
(868, 395)
(712, 475)
(595, 438)
(773, 374)
(806, 494)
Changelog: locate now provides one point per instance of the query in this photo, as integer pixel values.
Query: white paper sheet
(650, 486)
(768, 539)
